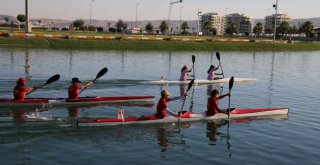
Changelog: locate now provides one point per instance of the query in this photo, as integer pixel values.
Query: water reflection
(27, 66)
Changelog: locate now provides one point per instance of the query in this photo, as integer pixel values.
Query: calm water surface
(50, 136)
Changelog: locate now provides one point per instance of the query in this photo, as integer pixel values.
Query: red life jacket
(212, 106)
(19, 92)
(161, 107)
(73, 91)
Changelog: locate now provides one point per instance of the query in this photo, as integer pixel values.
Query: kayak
(199, 81)
(186, 117)
(56, 102)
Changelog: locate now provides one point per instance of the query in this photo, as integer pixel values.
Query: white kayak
(200, 81)
(186, 117)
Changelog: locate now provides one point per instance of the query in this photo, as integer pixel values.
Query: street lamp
(180, 18)
(275, 21)
(90, 11)
(198, 26)
(171, 3)
(27, 27)
(136, 14)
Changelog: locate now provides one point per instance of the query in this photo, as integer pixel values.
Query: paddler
(73, 90)
(212, 106)
(184, 73)
(211, 72)
(162, 107)
(19, 91)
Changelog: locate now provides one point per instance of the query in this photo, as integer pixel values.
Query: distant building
(218, 22)
(269, 20)
(243, 23)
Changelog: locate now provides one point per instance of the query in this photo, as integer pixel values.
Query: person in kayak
(162, 107)
(19, 91)
(212, 105)
(211, 72)
(184, 73)
(73, 90)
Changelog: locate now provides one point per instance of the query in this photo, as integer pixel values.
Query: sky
(156, 9)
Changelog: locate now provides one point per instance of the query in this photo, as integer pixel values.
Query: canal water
(50, 136)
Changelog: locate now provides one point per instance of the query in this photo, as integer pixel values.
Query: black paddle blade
(190, 84)
(52, 79)
(102, 72)
(218, 55)
(193, 58)
(231, 83)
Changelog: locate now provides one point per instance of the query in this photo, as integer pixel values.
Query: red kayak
(186, 117)
(56, 102)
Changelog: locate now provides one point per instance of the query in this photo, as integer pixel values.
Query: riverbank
(155, 45)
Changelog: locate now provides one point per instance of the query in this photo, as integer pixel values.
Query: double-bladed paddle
(230, 87)
(218, 57)
(189, 87)
(100, 74)
(49, 81)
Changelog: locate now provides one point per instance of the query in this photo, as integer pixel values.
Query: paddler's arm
(30, 90)
(228, 94)
(87, 84)
(171, 113)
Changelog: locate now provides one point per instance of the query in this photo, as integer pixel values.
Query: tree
(284, 28)
(149, 28)
(21, 18)
(307, 28)
(268, 30)
(231, 29)
(6, 19)
(207, 25)
(258, 29)
(163, 27)
(121, 25)
(78, 23)
(184, 27)
(293, 30)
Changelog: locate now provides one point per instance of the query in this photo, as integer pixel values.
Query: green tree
(293, 30)
(21, 18)
(231, 29)
(149, 28)
(121, 25)
(163, 27)
(207, 26)
(258, 29)
(78, 23)
(307, 28)
(6, 19)
(284, 28)
(268, 30)
(184, 27)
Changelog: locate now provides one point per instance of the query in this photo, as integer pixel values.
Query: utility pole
(90, 11)
(136, 14)
(180, 19)
(170, 8)
(198, 26)
(275, 21)
(27, 27)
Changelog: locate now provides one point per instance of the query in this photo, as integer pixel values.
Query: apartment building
(244, 24)
(270, 20)
(217, 22)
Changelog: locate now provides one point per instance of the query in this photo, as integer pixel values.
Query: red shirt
(212, 106)
(161, 107)
(19, 92)
(73, 91)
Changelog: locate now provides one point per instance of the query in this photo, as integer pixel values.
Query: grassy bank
(157, 45)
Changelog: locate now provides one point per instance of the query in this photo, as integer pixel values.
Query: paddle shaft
(189, 86)
(218, 57)
(100, 74)
(49, 81)
(230, 87)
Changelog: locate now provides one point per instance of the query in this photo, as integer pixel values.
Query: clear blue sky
(156, 9)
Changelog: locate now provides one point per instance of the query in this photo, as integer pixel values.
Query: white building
(244, 24)
(217, 22)
(269, 20)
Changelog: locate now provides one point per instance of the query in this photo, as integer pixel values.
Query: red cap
(186, 66)
(22, 80)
